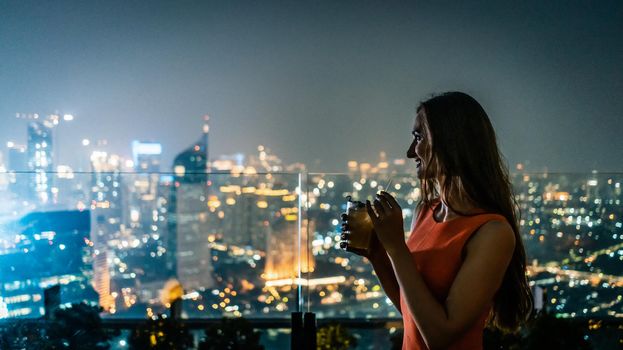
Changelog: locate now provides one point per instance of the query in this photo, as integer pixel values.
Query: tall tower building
(17, 160)
(189, 256)
(106, 212)
(283, 259)
(193, 163)
(17, 163)
(592, 189)
(106, 187)
(101, 272)
(143, 193)
(40, 160)
(146, 156)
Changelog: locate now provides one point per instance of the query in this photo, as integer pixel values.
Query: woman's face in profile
(420, 146)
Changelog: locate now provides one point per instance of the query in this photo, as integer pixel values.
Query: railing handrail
(338, 173)
(282, 322)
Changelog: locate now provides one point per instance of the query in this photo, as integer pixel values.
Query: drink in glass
(360, 226)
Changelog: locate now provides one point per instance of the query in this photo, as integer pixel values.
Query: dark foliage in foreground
(231, 334)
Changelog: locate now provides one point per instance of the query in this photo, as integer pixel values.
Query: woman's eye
(418, 138)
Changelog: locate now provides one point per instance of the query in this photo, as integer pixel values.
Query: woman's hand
(388, 223)
(375, 246)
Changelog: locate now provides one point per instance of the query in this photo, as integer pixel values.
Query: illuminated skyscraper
(106, 186)
(101, 272)
(106, 212)
(283, 260)
(51, 248)
(146, 156)
(142, 194)
(17, 163)
(40, 160)
(17, 158)
(189, 256)
(192, 165)
(592, 189)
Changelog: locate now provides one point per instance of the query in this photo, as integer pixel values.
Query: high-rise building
(284, 260)
(107, 214)
(17, 158)
(192, 164)
(147, 262)
(189, 255)
(106, 187)
(51, 248)
(146, 156)
(40, 157)
(101, 272)
(16, 165)
(592, 189)
(142, 194)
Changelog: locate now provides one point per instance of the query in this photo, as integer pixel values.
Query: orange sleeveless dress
(436, 248)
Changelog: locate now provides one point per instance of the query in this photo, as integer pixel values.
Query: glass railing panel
(343, 284)
(249, 225)
(572, 226)
(225, 244)
(228, 244)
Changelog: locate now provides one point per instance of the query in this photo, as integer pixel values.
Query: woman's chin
(419, 172)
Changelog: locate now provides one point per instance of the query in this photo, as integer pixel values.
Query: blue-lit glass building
(49, 248)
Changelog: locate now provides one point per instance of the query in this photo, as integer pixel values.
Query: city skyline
(84, 148)
(252, 241)
(571, 226)
(314, 82)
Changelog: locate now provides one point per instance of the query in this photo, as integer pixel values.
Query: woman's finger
(385, 204)
(390, 199)
(371, 212)
(378, 207)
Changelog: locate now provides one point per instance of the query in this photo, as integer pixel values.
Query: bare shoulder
(494, 235)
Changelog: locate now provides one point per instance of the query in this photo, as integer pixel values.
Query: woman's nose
(411, 150)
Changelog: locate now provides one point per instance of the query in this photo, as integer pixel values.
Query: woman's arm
(385, 273)
(487, 257)
(488, 254)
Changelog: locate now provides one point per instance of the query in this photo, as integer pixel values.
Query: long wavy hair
(463, 152)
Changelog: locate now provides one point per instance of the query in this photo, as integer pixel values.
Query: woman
(464, 263)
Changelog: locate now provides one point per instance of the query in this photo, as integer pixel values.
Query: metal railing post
(296, 340)
(51, 300)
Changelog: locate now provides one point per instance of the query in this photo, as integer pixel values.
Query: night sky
(319, 82)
